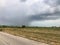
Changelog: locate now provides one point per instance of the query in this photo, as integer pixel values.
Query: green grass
(46, 35)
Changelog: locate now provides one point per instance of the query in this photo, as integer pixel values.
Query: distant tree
(23, 26)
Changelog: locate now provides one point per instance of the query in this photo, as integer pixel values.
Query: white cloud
(2, 3)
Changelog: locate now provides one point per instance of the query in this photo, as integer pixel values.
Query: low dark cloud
(46, 16)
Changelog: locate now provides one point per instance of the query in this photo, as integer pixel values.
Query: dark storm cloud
(17, 13)
(48, 16)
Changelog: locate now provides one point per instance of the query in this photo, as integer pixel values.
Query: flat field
(49, 35)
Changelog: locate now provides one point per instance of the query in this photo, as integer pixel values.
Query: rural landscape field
(38, 21)
(49, 35)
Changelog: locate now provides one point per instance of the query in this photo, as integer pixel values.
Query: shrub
(0, 29)
(23, 26)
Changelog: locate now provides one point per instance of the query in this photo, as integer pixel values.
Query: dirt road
(7, 39)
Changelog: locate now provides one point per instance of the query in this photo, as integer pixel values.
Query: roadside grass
(46, 35)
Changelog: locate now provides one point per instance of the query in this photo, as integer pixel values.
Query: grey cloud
(46, 16)
(23, 0)
(16, 13)
(52, 2)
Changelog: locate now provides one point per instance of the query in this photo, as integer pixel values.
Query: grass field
(46, 35)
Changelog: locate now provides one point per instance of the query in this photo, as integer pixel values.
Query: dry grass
(46, 35)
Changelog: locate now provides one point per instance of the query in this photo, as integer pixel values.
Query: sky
(30, 12)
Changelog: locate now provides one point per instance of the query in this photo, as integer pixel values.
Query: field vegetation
(50, 35)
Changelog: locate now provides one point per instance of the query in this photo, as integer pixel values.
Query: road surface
(7, 39)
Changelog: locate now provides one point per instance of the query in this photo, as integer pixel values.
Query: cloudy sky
(30, 12)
